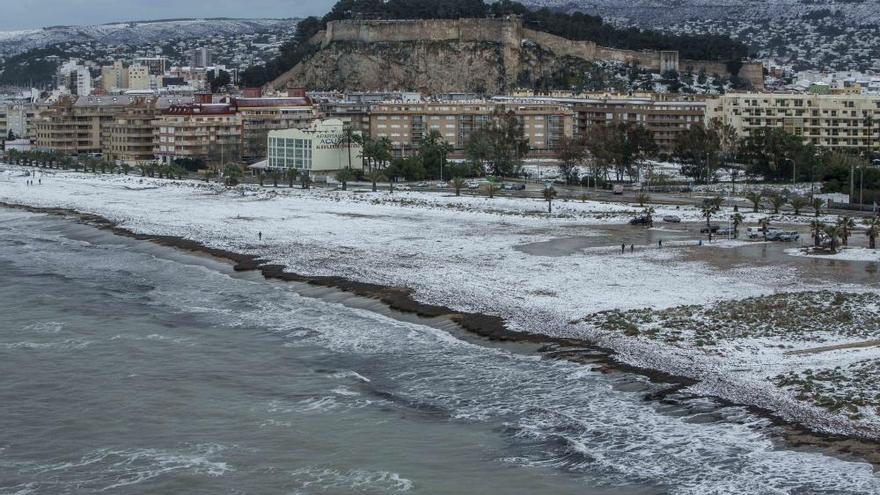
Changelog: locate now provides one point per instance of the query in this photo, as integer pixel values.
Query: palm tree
(816, 204)
(737, 220)
(275, 175)
(260, 176)
(491, 189)
(816, 229)
(343, 176)
(306, 180)
(798, 203)
(291, 174)
(375, 176)
(648, 213)
(232, 173)
(349, 136)
(643, 198)
(872, 231)
(777, 201)
(845, 225)
(833, 232)
(549, 194)
(711, 207)
(755, 198)
(210, 174)
(457, 184)
(765, 226)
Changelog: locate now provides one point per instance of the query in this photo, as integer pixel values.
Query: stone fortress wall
(511, 33)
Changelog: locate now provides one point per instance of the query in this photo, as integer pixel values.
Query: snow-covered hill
(134, 33)
(659, 12)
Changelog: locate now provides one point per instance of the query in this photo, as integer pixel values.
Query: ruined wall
(373, 31)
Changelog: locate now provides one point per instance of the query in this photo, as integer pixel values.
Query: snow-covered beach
(468, 253)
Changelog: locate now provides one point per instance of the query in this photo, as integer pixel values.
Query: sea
(132, 368)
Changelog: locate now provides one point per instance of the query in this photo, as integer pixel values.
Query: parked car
(618, 189)
(442, 185)
(784, 236)
(726, 232)
(757, 233)
(473, 185)
(516, 187)
(671, 219)
(422, 184)
(640, 221)
(710, 228)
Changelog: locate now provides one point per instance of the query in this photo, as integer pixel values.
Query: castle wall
(510, 33)
(492, 30)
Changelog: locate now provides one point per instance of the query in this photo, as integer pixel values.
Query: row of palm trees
(838, 233)
(777, 201)
(95, 165)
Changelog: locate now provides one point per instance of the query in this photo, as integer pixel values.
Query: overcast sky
(24, 14)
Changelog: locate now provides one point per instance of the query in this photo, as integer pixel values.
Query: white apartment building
(840, 122)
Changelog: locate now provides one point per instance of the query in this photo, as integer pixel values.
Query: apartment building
(259, 115)
(129, 136)
(74, 125)
(838, 122)
(666, 120)
(18, 118)
(405, 124)
(202, 130)
(114, 76)
(664, 116)
(155, 65)
(352, 114)
(139, 77)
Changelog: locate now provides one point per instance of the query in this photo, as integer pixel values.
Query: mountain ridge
(133, 32)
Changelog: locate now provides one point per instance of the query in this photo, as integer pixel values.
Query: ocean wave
(65, 345)
(330, 480)
(105, 470)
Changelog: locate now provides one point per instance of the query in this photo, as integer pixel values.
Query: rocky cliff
(432, 67)
(470, 55)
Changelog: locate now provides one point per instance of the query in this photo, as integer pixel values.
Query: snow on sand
(459, 252)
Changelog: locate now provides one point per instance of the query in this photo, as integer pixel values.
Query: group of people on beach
(30, 182)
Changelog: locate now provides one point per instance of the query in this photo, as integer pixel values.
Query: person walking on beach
(40, 181)
(632, 248)
(660, 243)
(622, 248)
(260, 235)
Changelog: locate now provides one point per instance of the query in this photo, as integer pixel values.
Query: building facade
(405, 124)
(74, 125)
(837, 122)
(666, 120)
(17, 118)
(200, 131)
(323, 147)
(260, 115)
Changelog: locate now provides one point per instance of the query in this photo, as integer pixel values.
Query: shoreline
(491, 328)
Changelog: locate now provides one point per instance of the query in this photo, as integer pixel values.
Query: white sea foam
(331, 480)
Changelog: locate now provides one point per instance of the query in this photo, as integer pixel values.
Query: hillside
(472, 55)
(839, 35)
(133, 33)
(32, 57)
(656, 13)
